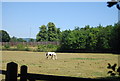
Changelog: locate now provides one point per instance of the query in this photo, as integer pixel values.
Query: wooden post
(23, 74)
(11, 74)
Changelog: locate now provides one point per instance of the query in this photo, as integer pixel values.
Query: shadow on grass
(88, 51)
(110, 78)
(84, 79)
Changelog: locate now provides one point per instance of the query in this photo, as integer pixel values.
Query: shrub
(6, 46)
(27, 48)
(46, 48)
(41, 48)
(20, 47)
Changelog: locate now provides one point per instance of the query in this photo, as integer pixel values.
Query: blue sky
(21, 18)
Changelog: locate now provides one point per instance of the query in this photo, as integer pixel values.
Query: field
(88, 65)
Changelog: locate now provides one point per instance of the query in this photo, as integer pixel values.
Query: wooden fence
(11, 74)
(30, 43)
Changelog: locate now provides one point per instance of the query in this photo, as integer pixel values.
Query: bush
(20, 47)
(46, 48)
(41, 48)
(6, 46)
(27, 48)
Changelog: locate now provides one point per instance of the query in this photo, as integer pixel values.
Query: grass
(88, 58)
(87, 65)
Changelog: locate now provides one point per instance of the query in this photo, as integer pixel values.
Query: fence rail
(30, 43)
(12, 69)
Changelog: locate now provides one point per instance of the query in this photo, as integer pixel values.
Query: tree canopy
(4, 36)
(48, 33)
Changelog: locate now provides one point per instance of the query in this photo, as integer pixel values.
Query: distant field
(88, 65)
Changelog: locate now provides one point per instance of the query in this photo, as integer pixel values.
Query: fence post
(23, 73)
(11, 74)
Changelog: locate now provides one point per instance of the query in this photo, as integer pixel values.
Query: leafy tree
(42, 35)
(103, 37)
(58, 34)
(13, 39)
(31, 40)
(49, 33)
(4, 36)
(80, 40)
(115, 38)
(20, 40)
(87, 27)
(64, 39)
(52, 32)
(91, 39)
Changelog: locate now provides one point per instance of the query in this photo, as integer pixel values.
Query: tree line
(5, 37)
(86, 38)
(92, 38)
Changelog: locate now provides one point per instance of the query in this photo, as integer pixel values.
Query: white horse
(51, 54)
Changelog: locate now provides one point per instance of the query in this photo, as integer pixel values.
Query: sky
(55, 0)
(23, 19)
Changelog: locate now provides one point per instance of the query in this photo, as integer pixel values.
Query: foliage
(92, 38)
(6, 46)
(87, 38)
(4, 36)
(13, 39)
(20, 40)
(52, 32)
(22, 47)
(47, 48)
(48, 33)
(114, 71)
(115, 38)
(42, 35)
(31, 40)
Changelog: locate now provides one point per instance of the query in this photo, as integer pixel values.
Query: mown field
(87, 65)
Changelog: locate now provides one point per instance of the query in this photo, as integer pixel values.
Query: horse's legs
(47, 56)
(55, 56)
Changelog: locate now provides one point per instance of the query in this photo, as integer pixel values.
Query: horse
(53, 55)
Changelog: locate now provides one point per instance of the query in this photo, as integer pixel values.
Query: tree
(13, 39)
(42, 35)
(58, 34)
(48, 33)
(31, 40)
(52, 32)
(115, 38)
(91, 38)
(103, 37)
(4, 36)
(20, 40)
(112, 3)
(64, 39)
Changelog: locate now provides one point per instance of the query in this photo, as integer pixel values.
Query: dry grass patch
(88, 65)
